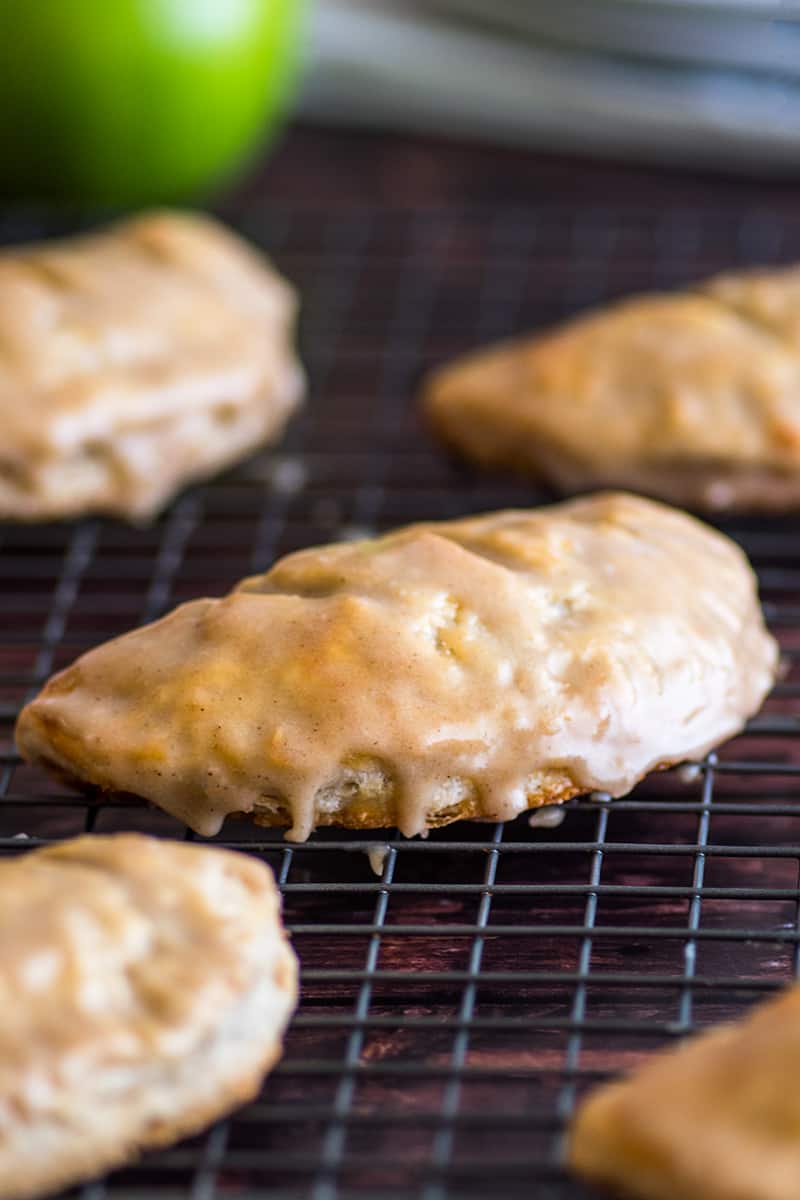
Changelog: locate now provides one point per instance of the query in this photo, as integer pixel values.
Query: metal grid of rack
(456, 1005)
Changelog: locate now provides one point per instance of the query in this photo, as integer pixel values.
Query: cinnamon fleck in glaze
(469, 668)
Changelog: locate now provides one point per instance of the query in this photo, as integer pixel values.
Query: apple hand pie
(693, 397)
(470, 668)
(144, 986)
(717, 1118)
(136, 360)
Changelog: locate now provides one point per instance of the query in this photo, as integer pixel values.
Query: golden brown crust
(692, 397)
(717, 1118)
(147, 980)
(472, 668)
(135, 360)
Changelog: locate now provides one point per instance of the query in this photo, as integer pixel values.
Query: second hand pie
(693, 397)
(469, 668)
(134, 361)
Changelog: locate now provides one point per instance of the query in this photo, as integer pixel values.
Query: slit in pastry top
(470, 668)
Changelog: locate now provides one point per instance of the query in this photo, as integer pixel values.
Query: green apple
(127, 102)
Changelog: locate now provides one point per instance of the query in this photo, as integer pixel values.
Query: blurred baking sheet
(397, 65)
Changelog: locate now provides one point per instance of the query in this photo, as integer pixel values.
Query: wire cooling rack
(456, 1005)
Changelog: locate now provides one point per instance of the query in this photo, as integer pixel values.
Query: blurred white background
(709, 82)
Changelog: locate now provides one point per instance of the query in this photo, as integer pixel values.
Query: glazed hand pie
(717, 1118)
(136, 360)
(144, 987)
(693, 397)
(472, 668)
